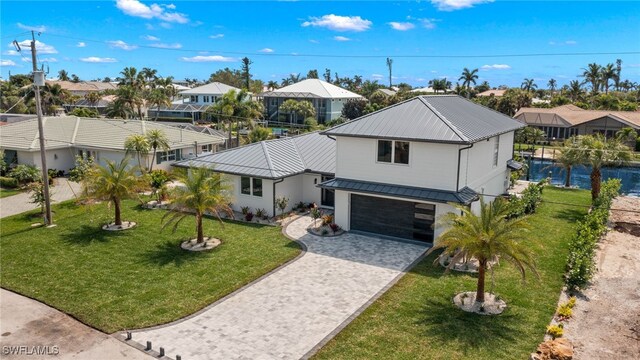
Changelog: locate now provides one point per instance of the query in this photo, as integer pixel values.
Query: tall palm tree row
(202, 192)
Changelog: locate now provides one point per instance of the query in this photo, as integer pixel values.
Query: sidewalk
(16, 204)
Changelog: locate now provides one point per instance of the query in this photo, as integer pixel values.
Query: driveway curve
(294, 310)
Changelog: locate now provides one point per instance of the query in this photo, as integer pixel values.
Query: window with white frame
(393, 151)
(170, 155)
(207, 148)
(251, 186)
(496, 151)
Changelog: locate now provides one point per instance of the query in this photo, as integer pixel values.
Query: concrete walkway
(296, 309)
(16, 204)
(39, 328)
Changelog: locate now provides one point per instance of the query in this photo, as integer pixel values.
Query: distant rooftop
(214, 88)
(496, 93)
(572, 115)
(84, 85)
(312, 88)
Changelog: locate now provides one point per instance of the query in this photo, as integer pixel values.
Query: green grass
(417, 320)
(134, 278)
(8, 192)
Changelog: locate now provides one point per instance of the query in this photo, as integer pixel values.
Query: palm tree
(139, 145)
(63, 75)
(93, 97)
(575, 90)
(592, 75)
(616, 78)
(158, 97)
(389, 65)
(484, 237)
(607, 73)
(569, 157)
(149, 75)
(202, 192)
(272, 85)
(627, 135)
(552, 85)
(118, 109)
(259, 134)
(598, 151)
(113, 182)
(528, 85)
(468, 78)
(157, 139)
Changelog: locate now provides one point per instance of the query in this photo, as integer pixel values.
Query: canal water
(630, 176)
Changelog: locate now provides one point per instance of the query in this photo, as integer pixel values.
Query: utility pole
(38, 78)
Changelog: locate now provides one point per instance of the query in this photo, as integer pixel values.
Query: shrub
(327, 219)
(248, 216)
(79, 172)
(315, 214)
(261, 213)
(53, 173)
(25, 173)
(281, 203)
(572, 302)
(334, 227)
(582, 246)
(325, 232)
(555, 331)
(8, 183)
(564, 312)
(245, 210)
(300, 205)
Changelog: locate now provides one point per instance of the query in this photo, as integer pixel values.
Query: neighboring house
(100, 106)
(429, 89)
(194, 102)
(386, 92)
(261, 172)
(326, 98)
(204, 130)
(83, 88)
(102, 139)
(398, 169)
(564, 121)
(494, 92)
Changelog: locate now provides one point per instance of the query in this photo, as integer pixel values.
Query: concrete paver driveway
(287, 314)
(62, 191)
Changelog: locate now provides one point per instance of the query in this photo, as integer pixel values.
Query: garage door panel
(403, 219)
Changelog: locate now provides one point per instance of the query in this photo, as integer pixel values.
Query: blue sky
(195, 38)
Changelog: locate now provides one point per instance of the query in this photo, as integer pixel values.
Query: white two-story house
(193, 103)
(398, 169)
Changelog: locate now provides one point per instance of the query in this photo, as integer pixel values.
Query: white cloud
(41, 47)
(434, 71)
(495, 67)
(451, 5)
(314, 41)
(216, 36)
(165, 25)
(266, 50)
(567, 42)
(634, 65)
(38, 28)
(210, 58)
(401, 26)
(95, 59)
(121, 45)
(428, 23)
(377, 76)
(570, 42)
(11, 53)
(7, 63)
(51, 60)
(341, 38)
(166, 46)
(339, 23)
(81, 44)
(150, 38)
(154, 11)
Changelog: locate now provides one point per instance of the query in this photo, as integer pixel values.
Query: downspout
(458, 174)
(274, 195)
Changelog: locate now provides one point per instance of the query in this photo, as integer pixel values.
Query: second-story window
(392, 151)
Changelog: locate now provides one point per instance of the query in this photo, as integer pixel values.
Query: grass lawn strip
(134, 278)
(416, 319)
(8, 192)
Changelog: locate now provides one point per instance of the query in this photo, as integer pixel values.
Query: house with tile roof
(391, 172)
(326, 98)
(102, 139)
(564, 121)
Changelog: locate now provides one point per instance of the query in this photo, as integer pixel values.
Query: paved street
(16, 204)
(291, 311)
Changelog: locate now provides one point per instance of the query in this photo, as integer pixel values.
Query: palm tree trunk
(230, 138)
(567, 179)
(199, 228)
(157, 112)
(116, 205)
(481, 274)
(596, 177)
(153, 158)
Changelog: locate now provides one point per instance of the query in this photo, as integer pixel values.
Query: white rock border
(126, 225)
(470, 266)
(208, 244)
(491, 305)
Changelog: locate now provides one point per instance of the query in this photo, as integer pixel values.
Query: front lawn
(134, 278)
(416, 319)
(8, 192)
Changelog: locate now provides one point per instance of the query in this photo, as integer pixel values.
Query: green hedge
(528, 202)
(582, 246)
(8, 183)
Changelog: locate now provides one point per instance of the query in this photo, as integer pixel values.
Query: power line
(369, 56)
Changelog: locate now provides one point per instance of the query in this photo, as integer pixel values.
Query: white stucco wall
(59, 159)
(430, 165)
(310, 192)
(477, 170)
(253, 202)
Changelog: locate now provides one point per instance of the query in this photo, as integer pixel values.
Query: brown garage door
(397, 218)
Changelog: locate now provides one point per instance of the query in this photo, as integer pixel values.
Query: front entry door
(327, 196)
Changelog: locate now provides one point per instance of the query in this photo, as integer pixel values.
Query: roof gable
(572, 115)
(435, 118)
(215, 88)
(314, 87)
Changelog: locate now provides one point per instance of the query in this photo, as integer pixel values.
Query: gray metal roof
(67, 131)
(201, 129)
(464, 196)
(514, 165)
(273, 159)
(430, 118)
